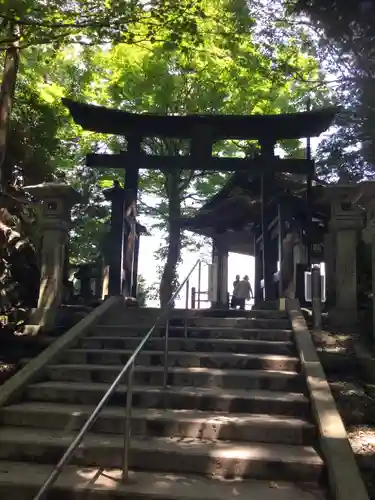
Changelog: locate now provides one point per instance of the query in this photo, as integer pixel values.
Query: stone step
(136, 330)
(195, 456)
(269, 305)
(183, 359)
(164, 423)
(149, 315)
(196, 377)
(188, 398)
(21, 481)
(236, 313)
(192, 344)
(273, 323)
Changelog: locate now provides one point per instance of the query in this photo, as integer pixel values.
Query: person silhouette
(233, 302)
(243, 292)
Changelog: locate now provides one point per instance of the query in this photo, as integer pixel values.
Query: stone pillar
(329, 262)
(369, 237)
(346, 221)
(288, 269)
(301, 259)
(364, 194)
(57, 200)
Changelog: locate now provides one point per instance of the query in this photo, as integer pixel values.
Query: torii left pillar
(57, 200)
(122, 250)
(116, 195)
(123, 244)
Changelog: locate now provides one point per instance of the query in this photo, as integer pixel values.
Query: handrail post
(127, 429)
(186, 308)
(166, 345)
(199, 283)
(193, 294)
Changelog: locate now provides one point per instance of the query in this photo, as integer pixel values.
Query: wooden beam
(155, 162)
(275, 127)
(201, 145)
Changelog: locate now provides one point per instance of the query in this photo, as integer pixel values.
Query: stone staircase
(234, 422)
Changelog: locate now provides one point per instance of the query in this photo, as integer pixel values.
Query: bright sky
(238, 264)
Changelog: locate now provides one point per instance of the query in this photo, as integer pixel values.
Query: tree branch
(146, 209)
(193, 197)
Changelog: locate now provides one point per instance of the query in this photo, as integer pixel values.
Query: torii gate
(202, 131)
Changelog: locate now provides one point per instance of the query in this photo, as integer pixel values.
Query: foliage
(98, 22)
(246, 61)
(90, 217)
(232, 72)
(349, 24)
(340, 154)
(35, 148)
(18, 257)
(143, 292)
(32, 147)
(35, 23)
(346, 32)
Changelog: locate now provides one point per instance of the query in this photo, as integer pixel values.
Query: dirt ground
(356, 404)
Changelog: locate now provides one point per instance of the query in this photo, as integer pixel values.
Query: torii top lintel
(266, 127)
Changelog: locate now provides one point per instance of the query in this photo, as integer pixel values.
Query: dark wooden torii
(202, 131)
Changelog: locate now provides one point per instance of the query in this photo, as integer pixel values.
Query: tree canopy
(232, 71)
(223, 56)
(94, 22)
(346, 32)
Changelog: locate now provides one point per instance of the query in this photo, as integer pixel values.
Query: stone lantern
(365, 195)
(57, 199)
(346, 221)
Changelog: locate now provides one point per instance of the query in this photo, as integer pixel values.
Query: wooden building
(290, 224)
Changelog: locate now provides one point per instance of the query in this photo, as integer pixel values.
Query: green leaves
(236, 70)
(96, 22)
(175, 57)
(347, 39)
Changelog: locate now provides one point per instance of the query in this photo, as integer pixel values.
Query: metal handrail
(129, 367)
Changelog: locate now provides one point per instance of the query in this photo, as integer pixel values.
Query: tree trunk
(174, 233)
(8, 85)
